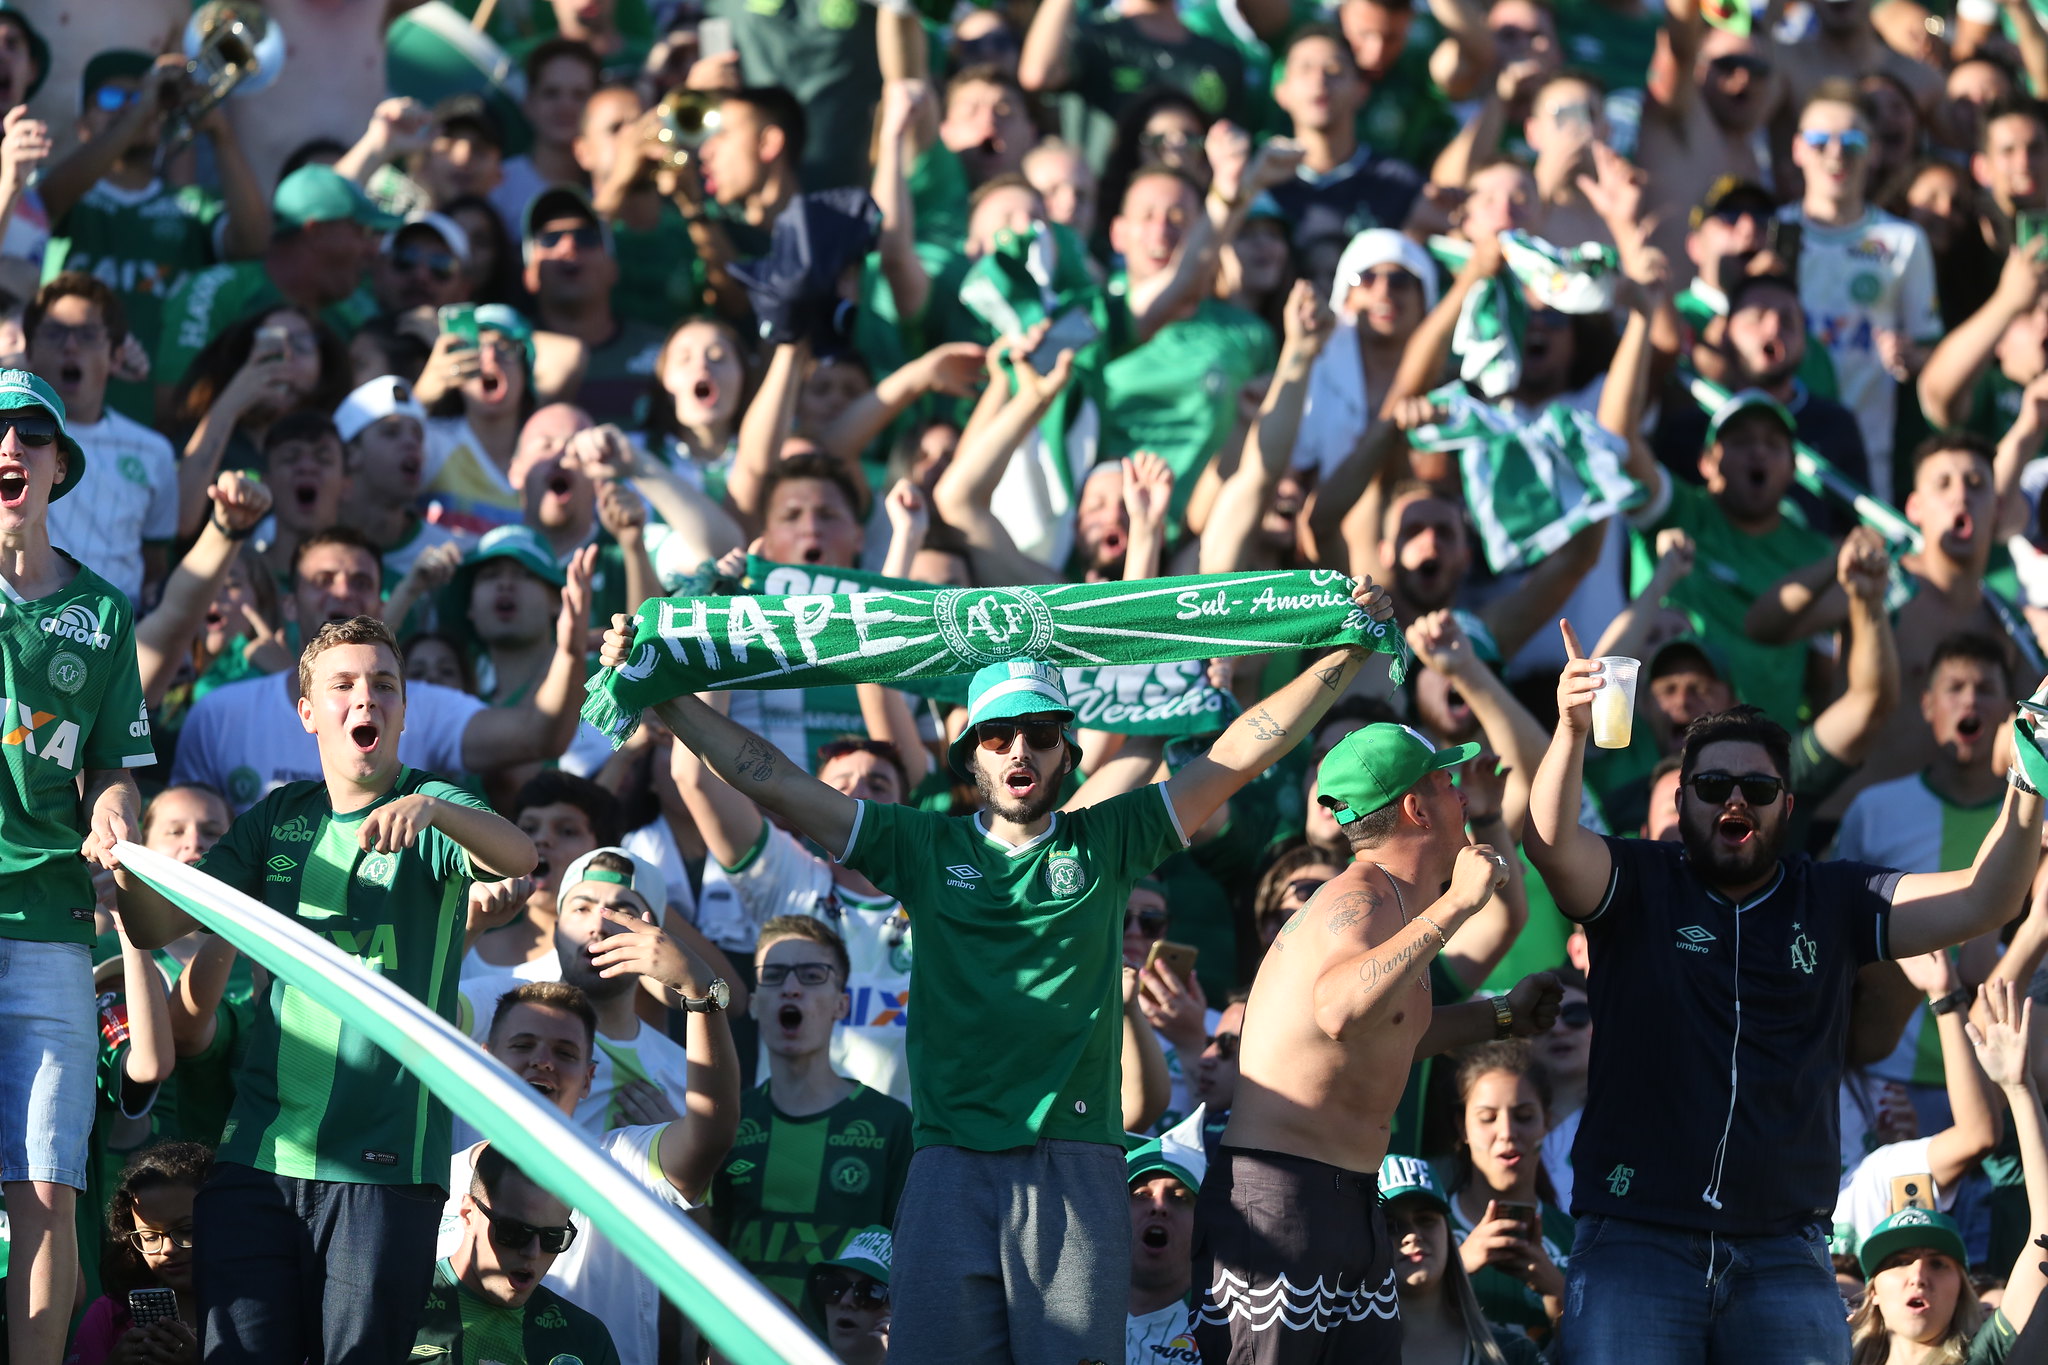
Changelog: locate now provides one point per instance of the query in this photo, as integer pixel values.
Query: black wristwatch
(1957, 999)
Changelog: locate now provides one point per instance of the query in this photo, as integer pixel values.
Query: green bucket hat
(1907, 1230)
(18, 390)
(1375, 766)
(38, 48)
(319, 194)
(517, 542)
(1746, 401)
(866, 1252)
(1017, 687)
(1407, 1177)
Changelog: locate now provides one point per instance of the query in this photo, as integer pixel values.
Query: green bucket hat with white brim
(1016, 687)
(1374, 767)
(20, 390)
(1748, 400)
(1910, 1230)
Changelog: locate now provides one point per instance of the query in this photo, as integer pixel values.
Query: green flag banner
(901, 638)
(747, 1322)
(1173, 698)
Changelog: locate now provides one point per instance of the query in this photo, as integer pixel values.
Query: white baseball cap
(451, 232)
(385, 396)
(646, 881)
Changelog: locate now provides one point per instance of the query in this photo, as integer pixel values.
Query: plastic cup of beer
(1614, 705)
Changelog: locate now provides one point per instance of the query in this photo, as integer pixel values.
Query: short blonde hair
(357, 630)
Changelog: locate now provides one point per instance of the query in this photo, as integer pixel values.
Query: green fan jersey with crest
(72, 702)
(1016, 1006)
(315, 1098)
(793, 1189)
(458, 1328)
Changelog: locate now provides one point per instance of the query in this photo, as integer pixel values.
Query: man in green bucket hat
(1015, 1221)
(74, 710)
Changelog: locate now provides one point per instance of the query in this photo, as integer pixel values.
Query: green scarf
(1173, 698)
(695, 644)
(1495, 317)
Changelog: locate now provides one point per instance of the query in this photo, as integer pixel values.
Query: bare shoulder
(1353, 907)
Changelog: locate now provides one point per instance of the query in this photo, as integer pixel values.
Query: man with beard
(1292, 1258)
(818, 1156)
(1013, 1234)
(1730, 225)
(1702, 1203)
(571, 266)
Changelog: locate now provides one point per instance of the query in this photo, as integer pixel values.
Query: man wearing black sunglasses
(571, 268)
(421, 265)
(488, 1302)
(1708, 1156)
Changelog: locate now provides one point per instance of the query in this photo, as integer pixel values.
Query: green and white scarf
(1170, 698)
(902, 638)
(1495, 317)
(1529, 488)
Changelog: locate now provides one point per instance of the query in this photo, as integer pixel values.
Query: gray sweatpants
(1012, 1258)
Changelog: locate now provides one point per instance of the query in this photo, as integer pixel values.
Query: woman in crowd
(259, 369)
(1512, 1236)
(1565, 1053)
(477, 398)
(149, 1247)
(1440, 1319)
(493, 268)
(694, 405)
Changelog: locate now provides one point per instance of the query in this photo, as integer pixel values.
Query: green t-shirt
(1223, 21)
(822, 52)
(620, 372)
(938, 197)
(1613, 48)
(207, 301)
(1994, 1341)
(547, 1329)
(141, 243)
(1016, 1007)
(1503, 1299)
(660, 278)
(1176, 395)
(315, 1098)
(792, 1189)
(1406, 116)
(1731, 569)
(73, 703)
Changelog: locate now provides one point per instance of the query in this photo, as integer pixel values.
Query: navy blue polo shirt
(1680, 1106)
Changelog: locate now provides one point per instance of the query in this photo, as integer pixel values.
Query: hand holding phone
(154, 1304)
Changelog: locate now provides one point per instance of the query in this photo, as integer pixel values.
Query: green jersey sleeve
(237, 859)
(119, 737)
(890, 841)
(1139, 827)
(450, 859)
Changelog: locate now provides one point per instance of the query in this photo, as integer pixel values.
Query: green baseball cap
(38, 49)
(518, 542)
(1375, 766)
(1178, 1152)
(1746, 401)
(319, 194)
(1016, 687)
(504, 318)
(1408, 1177)
(115, 64)
(20, 390)
(866, 1252)
(1908, 1230)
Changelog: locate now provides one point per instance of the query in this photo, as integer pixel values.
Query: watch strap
(1503, 1018)
(1957, 999)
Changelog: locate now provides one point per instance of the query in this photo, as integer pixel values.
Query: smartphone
(2028, 227)
(714, 38)
(1178, 957)
(460, 318)
(1070, 331)
(155, 1304)
(1527, 1215)
(273, 342)
(1913, 1192)
(1784, 240)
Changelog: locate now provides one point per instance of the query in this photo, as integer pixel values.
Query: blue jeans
(1646, 1294)
(50, 1049)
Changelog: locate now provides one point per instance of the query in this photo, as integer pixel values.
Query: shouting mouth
(364, 736)
(1020, 783)
(1155, 1237)
(1735, 831)
(1969, 727)
(790, 1017)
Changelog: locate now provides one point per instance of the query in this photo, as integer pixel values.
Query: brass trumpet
(231, 47)
(686, 118)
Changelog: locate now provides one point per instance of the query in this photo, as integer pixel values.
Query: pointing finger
(1572, 648)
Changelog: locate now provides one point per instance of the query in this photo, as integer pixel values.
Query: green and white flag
(1171, 698)
(1529, 488)
(1495, 317)
(903, 638)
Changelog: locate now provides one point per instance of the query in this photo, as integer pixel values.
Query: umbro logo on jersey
(79, 624)
(280, 863)
(1694, 939)
(963, 876)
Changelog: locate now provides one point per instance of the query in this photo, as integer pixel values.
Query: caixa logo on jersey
(79, 624)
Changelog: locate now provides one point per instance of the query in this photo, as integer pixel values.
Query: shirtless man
(1291, 1253)
(1722, 89)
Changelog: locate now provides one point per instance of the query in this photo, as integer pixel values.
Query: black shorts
(1294, 1263)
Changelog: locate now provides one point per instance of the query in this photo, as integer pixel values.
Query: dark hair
(411, 643)
(1750, 284)
(661, 404)
(553, 995)
(1971, 647)
(492, 1166)
(154, 1167)
(1125, 155)
(811, 464)
(503, 284)
(303, 425)
(1329, 33)
(337, 535)
(553, 787)
(325, 150)
(1670, 763)
(405, 354)
(1514, 1057)
(841, 745)
(1736, 725)
(813, 930)
(778, 108)
(2014, 105)
(558, 47)
(357, 630)
(218, 362)
(1941, 442)
(81, 285)
(982, 73)
(1281, 869)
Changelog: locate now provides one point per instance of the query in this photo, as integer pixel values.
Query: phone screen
(1070, 331)
(460, 319)
(714, 38)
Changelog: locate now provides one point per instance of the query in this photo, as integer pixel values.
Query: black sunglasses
(1151, 923)
(1575, 1014)
(440, 264)
(807, 973)
(998, 735)
(1739, 61)
(586, 238)
(1225, 1044)
(866, 1293)
(1758, 789)
(33, 431)
(509, 1234)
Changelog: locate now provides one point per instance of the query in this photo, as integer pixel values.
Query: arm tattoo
(1348, 909)
(1372, 970)
(755, 761)
(1264, 726)
(1331, 676)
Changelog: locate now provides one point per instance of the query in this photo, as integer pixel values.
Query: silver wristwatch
(716, 997)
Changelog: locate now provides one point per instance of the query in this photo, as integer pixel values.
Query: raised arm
(1574, 861)
(903, 102)
(707, 530)
(1163, 297)
(1466, 55)
(1042, 64)
(1961, 359)
(1262, 736)
(1148, 492)
(1628, 634)
(497, 848)
(65, 182)
(729, 823)
(768, 777)
(1241, 504)
(1849, 726)
(2020, 444)
(196, 998)
(1355, 989)
(2006, 1046)
(1941, 909)
(949, 368)
(150, 1055)
(1976, 1122)
(1147, 1085)
(1804, 602)
(962, 495)
(763, 429)
(163, 639)
(541, 727)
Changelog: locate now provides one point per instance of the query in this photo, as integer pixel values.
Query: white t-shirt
(1877, 273)
(1865, 1199)
(1147, 1339)
(650, 1055)
(128, 494)
(245, 739)
(593, 1273)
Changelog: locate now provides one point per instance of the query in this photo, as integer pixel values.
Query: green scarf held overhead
(903, 638)
(1171, 698)
(1495, 317)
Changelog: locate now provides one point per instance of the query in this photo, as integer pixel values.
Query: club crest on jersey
(1064, 877)
(850, 1175)
(377, 869)
(79, 624)
(67, 673)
